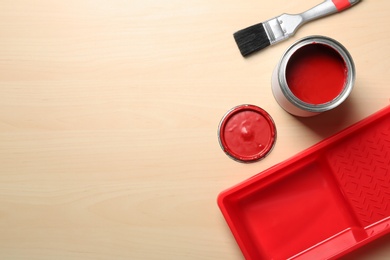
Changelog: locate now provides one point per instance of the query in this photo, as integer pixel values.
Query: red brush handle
(341, 4)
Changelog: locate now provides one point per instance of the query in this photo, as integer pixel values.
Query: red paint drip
(316, 74)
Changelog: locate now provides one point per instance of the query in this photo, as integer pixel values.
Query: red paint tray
(320, 204)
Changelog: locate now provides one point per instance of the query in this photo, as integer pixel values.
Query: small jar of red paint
(314, 75)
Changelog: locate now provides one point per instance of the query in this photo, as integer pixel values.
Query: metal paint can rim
(304, 106)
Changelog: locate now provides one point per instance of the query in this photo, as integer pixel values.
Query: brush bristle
(251, 39)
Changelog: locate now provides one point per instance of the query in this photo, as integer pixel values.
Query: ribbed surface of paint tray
(320, 204)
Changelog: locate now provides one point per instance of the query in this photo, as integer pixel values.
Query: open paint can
(314, 75)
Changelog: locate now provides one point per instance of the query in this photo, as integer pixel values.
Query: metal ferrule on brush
(275, 31)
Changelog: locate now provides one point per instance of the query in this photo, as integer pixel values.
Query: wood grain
(109, 112)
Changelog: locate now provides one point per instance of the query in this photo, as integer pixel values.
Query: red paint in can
(316, 74)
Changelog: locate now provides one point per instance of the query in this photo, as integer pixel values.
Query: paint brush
(272, 31)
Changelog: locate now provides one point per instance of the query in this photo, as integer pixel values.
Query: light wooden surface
(109, 112)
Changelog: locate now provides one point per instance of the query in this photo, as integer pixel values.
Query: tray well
(291, 210)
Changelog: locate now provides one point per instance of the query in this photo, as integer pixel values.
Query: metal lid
(247, 133)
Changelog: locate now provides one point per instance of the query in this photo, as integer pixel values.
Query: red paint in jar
(316, 74)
